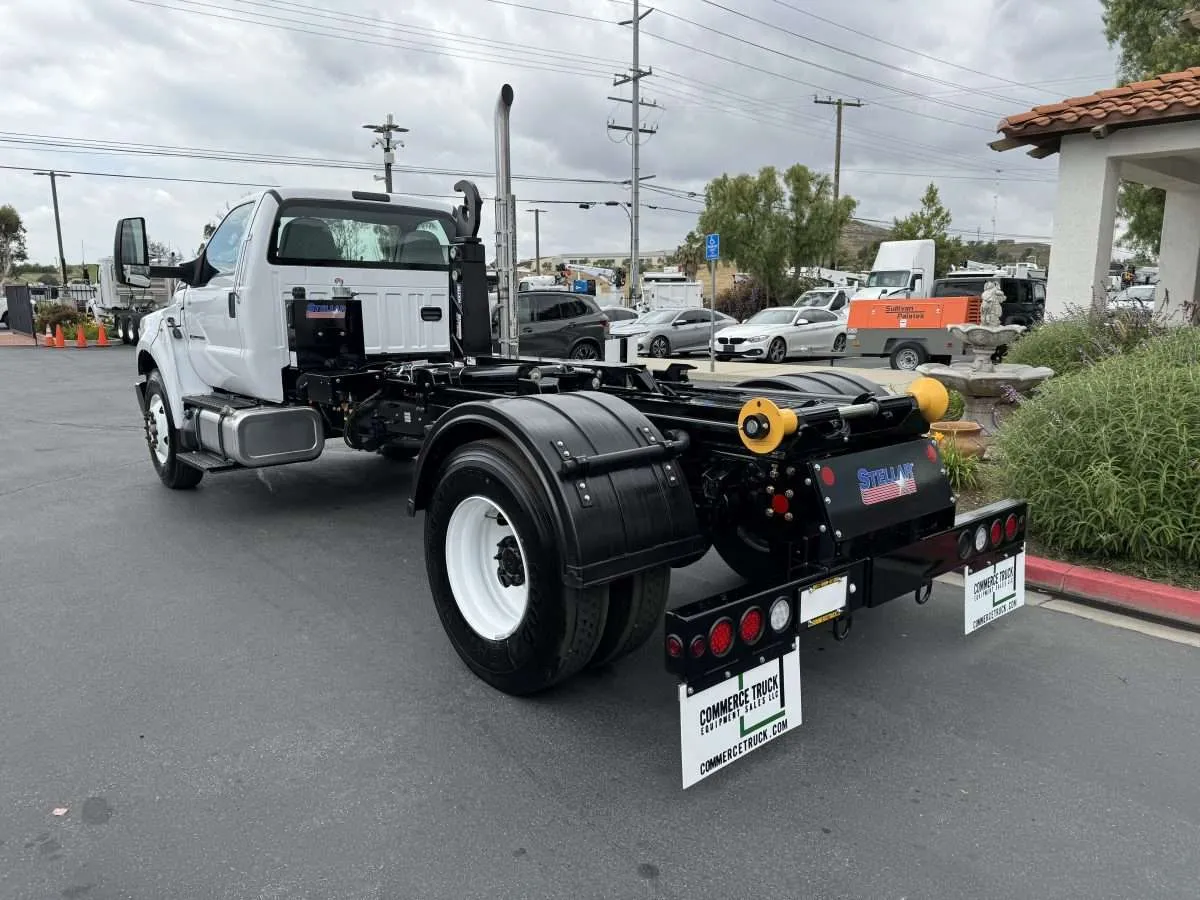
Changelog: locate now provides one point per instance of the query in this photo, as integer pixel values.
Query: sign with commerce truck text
(993, 591)
(723, 723)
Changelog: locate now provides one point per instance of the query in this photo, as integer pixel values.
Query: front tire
(163, 439)
(660, 348)
(777, 352)
(494, 570)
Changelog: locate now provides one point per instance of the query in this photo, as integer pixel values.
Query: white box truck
(901, 269)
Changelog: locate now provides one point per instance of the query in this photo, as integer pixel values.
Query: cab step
(218, 402)
(206, 462)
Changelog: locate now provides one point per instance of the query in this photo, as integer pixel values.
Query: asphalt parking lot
(244, 692)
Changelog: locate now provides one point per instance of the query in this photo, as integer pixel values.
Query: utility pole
(62, 259)
(635, 129)
(537, 240)
(837, 147)
(385, 132)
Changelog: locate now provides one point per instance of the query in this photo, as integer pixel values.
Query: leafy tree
(1151, 42)
(769, 221)
(931, 222)
(12, 240)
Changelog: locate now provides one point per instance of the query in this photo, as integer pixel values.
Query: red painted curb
(1163, 601)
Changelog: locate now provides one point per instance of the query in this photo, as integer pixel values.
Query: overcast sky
(298, 78)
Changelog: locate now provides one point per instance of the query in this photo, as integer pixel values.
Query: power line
(859, 56)
(267, 184)
(277, 23)
(908, 49)
(55, 143)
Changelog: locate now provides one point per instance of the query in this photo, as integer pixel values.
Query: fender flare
(613, 522)
(157, 351)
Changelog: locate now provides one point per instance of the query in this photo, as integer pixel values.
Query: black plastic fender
(830, 385)
(620, 515)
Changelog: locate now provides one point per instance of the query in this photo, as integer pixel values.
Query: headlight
(758, 337)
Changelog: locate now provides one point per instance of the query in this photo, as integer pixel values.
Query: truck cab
(901, 269)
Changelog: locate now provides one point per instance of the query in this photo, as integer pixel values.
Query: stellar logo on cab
(886, 483)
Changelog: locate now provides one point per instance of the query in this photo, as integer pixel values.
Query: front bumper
(746, 350)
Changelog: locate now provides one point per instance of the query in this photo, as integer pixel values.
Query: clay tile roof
(1174, 95)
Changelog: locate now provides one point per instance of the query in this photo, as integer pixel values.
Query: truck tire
(907, 356)
(746, 556)
(494, 570)
(163, 439)
(635, 608)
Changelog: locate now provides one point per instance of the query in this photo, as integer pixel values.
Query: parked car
(834, 299)
(782, 331)
(1024, 298)
(1136, 301)
(619, 313)
(665, 331)
(557, 325)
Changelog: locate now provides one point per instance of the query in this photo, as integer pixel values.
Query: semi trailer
(557, 497)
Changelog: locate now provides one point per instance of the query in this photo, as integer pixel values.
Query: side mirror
(677, 323)
(131, 253)
(803, 322)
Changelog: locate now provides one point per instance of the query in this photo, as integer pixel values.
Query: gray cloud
(143, 74)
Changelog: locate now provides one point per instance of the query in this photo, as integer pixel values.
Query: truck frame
(558, 497)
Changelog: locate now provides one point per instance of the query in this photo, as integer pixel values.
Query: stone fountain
(982, 382)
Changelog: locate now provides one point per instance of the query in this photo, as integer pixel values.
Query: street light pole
(62, 258)
(385, 132)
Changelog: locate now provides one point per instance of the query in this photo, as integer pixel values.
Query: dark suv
(557, 325)
(1024, 298)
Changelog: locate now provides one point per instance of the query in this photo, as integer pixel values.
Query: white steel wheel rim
(907, 359)
(473, 538)
(160, 429)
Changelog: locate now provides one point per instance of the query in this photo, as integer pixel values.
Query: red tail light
(827, 476)
(720, 637)
(997, 533)
(752, 624)
(698, 648)
(674, 646)
(1010, 526)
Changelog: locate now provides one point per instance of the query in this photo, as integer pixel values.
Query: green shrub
(1109, 456)
(962, 471)
(1080, 339)
(55, 314)
(954, 411)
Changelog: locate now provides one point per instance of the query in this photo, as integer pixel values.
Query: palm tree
(689, 255)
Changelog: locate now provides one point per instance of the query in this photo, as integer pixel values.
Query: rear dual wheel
(494, 569)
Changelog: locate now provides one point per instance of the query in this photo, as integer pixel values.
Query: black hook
(466, 216)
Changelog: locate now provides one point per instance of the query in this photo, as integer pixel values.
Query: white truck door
(210, 312)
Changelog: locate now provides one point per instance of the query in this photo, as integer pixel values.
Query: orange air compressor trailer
(909, 331)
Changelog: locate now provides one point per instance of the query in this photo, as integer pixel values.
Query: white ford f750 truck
(557, 497)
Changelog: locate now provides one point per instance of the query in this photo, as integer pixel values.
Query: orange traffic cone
(80, 336)
(101, 335)
(59, 340)
(50, 337)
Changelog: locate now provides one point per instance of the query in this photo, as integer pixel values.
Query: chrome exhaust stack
(506, 227)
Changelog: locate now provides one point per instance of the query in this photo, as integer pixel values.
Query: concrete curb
(1162, 601)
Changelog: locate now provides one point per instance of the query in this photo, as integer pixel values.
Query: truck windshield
(360, 236)
(814, 298)
(896, 279)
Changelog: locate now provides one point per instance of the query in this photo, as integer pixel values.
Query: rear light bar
(987, 536)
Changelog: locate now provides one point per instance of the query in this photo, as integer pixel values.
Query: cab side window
(223, 247)
(1039, 292)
